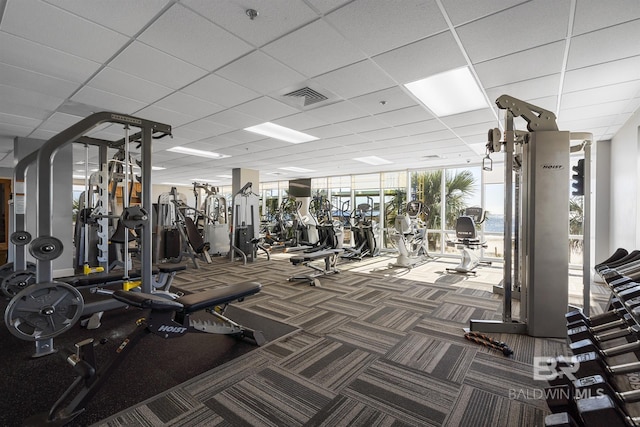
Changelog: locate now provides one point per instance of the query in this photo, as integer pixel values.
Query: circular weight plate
(17, 281)
(43, 311)
(134, 217)
(46, 248)
(20, 238)
(5, 270)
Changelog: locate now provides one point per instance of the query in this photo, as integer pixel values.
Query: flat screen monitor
(300, 187)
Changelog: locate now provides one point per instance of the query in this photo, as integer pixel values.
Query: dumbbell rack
(600, 384)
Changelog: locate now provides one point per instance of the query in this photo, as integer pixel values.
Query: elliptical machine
(467, 240)
(363, 232)
(410, 237)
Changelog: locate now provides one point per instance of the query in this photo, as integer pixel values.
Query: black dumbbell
(597, 385)
(617, 255)
(629, 292)
(603, 411)
(562, 419)
(560, 399)
(600, 334)
(595, 320)
(622, 318)
(588, 364)
(587, 346)
(620, 280)
(627, 262)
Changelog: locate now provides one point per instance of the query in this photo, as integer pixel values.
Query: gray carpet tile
(374, 347)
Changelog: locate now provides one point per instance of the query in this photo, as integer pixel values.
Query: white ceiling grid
(207, 69)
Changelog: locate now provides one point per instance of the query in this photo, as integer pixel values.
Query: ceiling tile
(272, 76)
(156, 66)
(613, 72)
(338, 112)
(206, 128)
(50, 26)
(383, 101)
(605, 45)
(266, 108)
(419, 128)
(188, 104)
(105, 101)
(325, 6)
(234, 118)
(275, 17)
(527, 89)
(41, 83)
(530, 64)
(124, 16)
(382, 134)
(300, 121)
(461, 11)
(545, 20)
(162, 115)
(355, 80)
(404, 116)
(415, 61)
(127, 85)
(35, 57)
(471, 117)
(380, 25)
(192, 38)
(25, 103)
(363, 124)
(596, 14)
(610, 93)
(329, 131)
(221, 91)
(314, 49)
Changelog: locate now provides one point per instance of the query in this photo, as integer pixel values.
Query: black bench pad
(201, 300)
(143, 300)
(95, 279)
(171, 268)
(313, 256)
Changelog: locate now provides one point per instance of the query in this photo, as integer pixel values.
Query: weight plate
(20, 238)
(46, 248)
(5, 270)
(17, 281)
(134, 217)
(43, 311)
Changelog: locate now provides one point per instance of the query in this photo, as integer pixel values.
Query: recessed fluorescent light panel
(202, 180)
(200, 153)
(175, 184)
(225, 176)
(282, 133)
(157, 168)
(373, 160)
(448, 93)
(295, 169)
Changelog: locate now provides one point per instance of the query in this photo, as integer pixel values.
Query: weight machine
(540, 159)
(245, 236)
(48, 308)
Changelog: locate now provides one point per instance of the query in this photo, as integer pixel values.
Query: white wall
(625, 192)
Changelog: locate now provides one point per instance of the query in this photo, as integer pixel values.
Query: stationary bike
(467, 240)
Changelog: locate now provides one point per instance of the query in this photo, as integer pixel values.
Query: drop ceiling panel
(618, 92)
(221, 91)
(461, 11)
(605, 45)
(355, 80)
(192, 38)
(275, 17)
(329, 131)
(300, 121)
(11, 130)
(420, 127)
(234, 118)
(127, 85)
(50, 26)
(363, 124)
(338, 112)
(23, 102)
(189, 105)
(124, 16)
(530, 64)
(404, 116)
(382, 134)
(593, 111)
(36, 82)
(266, 108)
(416, 61)
(272, 76)
(363, 20)
(105, 101)
(162, 115)
(528, 89)
(545, 21)
(151, 64)
(326, 6)
(595, 14)
(206, 128)
(614, 72)
(383, 101)
(471, 117)
(330, 49)
(41, 59)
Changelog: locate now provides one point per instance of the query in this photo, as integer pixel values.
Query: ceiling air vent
(309, 95)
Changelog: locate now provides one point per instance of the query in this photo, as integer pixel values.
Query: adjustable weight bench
(167, 319)
(330, 257)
